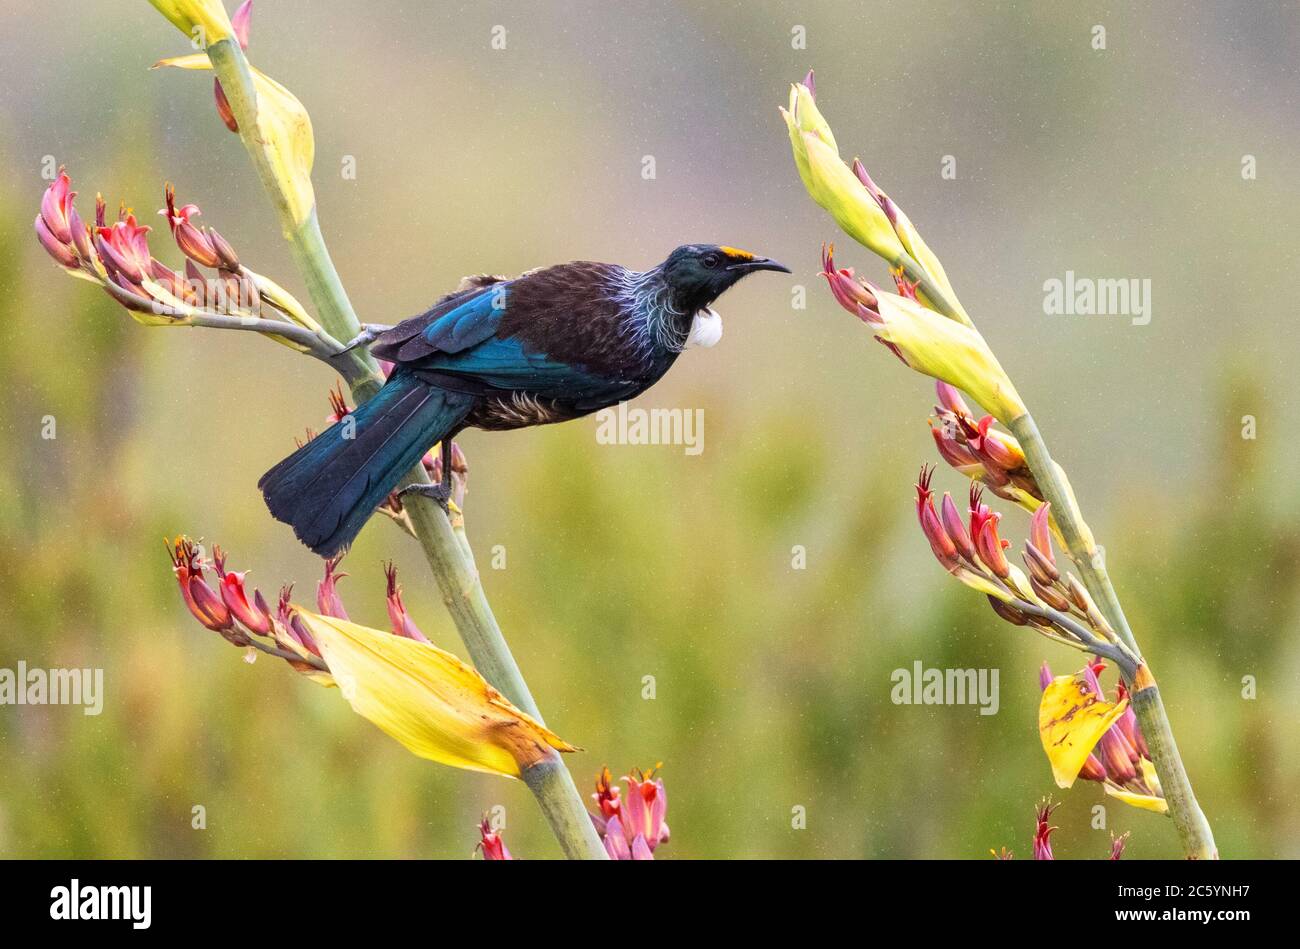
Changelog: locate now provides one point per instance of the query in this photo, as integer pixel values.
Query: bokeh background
(772, 683)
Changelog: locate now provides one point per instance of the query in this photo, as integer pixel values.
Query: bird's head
(700, 273)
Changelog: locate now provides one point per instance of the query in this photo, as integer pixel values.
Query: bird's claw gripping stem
(369, 333)
(440, 493)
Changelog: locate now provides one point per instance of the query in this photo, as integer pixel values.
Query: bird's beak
(759, 263)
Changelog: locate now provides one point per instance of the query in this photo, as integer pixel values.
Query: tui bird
(497, 354)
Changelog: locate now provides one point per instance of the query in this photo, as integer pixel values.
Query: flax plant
(927, 328)
(419, 694)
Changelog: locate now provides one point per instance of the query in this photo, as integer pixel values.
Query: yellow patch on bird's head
(737, 253)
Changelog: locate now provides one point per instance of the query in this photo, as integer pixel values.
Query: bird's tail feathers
(329, 487)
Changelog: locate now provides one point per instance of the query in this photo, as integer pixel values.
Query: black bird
(497, 354)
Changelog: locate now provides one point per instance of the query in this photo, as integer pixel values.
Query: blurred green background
(772, 683)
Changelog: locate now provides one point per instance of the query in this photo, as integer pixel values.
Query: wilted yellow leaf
(437, 706)
(1071, 720)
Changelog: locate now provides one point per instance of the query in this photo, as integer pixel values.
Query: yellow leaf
(1147, 802)
(204, 21)
(284, 133)
(1071, 720)
(437, 706)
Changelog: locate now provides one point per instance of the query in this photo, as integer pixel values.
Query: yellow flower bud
(830, 182)
(835, 188)
(946, 350)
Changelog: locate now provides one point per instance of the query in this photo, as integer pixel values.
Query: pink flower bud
(644, 809)
(849, 292)
(945, 550)
(56, 206)
(241, 20)
(955, 453)
(224, 111)
(1117, 845)
(228, 259)
(1040, 568)
(62, 253)
(398, 618)
(493, 847)
(328, 601)
(1128, 724)
(255, 616)
(201, 600)
(994, 448)
(990, 547)
(956, 528)
(80, 235)
(950, 398)
(1043, 831)
(1040, 534)
(1117, 756)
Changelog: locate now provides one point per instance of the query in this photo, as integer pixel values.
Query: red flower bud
(493, 847)
(56, 207)
(990, 547)
(849, 292)
(241, 20)
(255, 616)
(950, 398)
(203, 602)
(940, 543)
(62, 253)
(226, 114)
(955, 453)
(1043, 832)
(956, 528)
(1128, 724)
(398, 618)
(328, 601)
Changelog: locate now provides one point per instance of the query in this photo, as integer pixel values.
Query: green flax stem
(452, 566)
(1189, 819)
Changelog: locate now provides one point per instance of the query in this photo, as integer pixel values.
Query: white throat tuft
(706, 329)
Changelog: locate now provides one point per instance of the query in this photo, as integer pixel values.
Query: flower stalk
(849, 195)
(448, 554)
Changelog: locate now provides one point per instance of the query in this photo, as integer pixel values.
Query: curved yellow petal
(437, 706)
(207, 16)
(1144, 801)
(1071, 720)
(1147, 802)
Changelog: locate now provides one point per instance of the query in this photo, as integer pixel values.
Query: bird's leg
(369, 333)
(440, 492)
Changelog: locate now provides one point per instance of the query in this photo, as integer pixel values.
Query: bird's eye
(710, 260)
